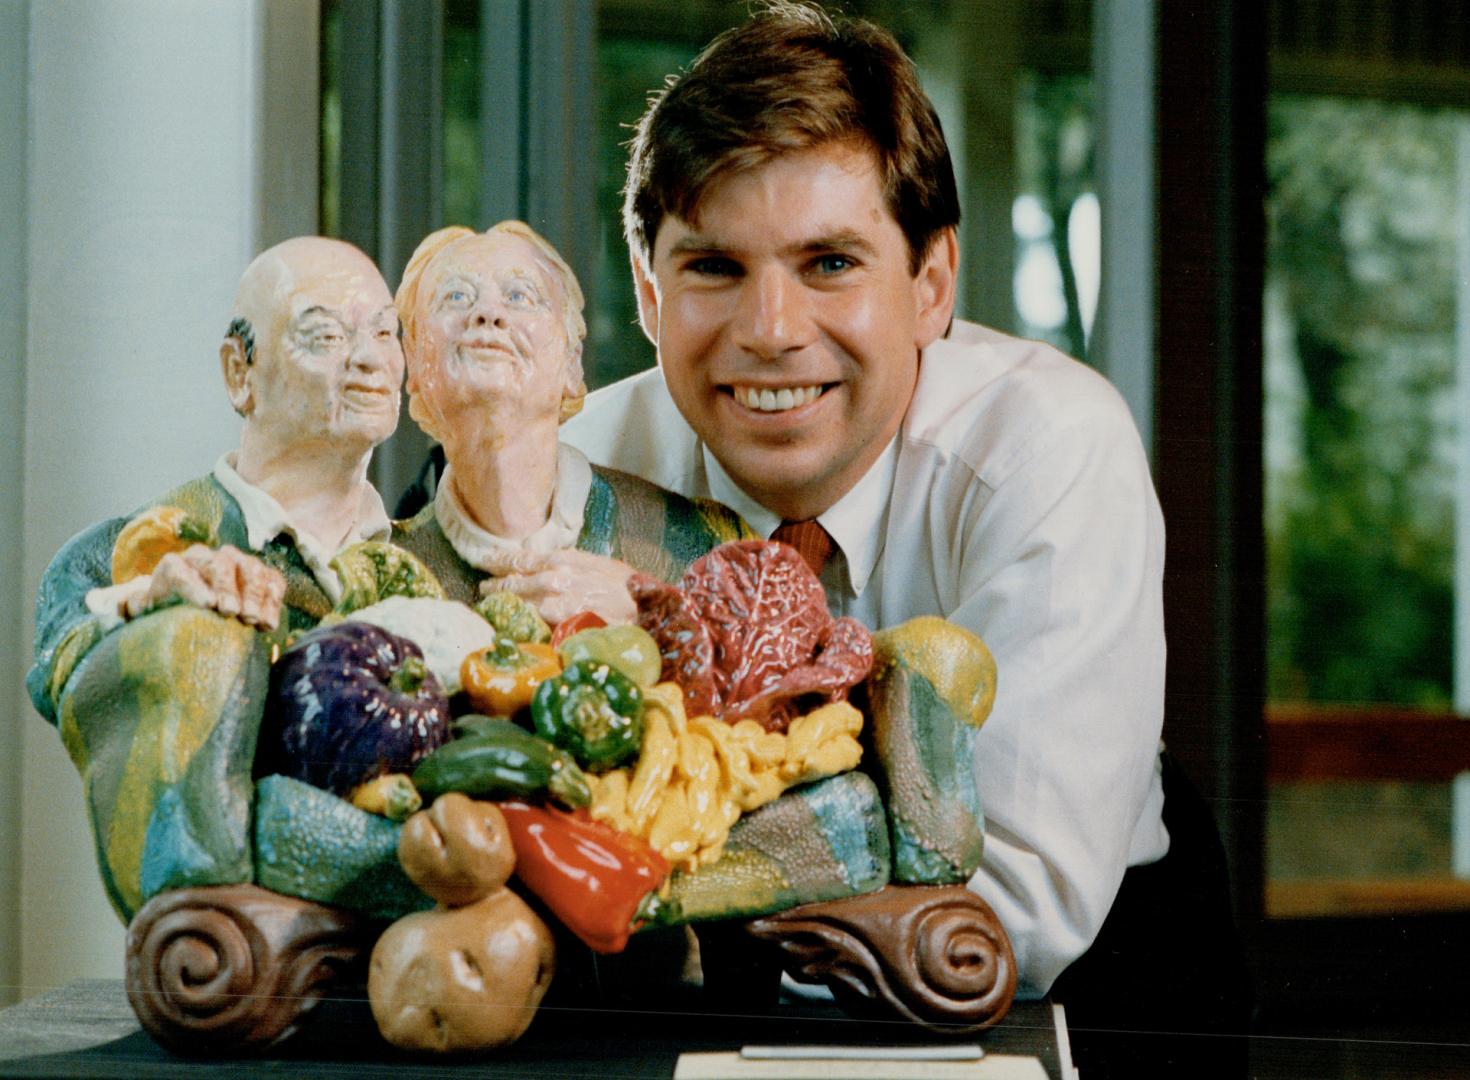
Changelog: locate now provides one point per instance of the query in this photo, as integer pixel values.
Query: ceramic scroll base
(933, 955)
(231, 968)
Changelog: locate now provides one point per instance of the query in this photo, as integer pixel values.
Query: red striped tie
(812, 542)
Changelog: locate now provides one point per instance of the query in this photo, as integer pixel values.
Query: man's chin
(778, 482)
(367, 429)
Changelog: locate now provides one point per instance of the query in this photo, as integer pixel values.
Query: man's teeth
(768, 400)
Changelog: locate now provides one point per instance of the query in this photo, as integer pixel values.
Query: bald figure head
(312, 353)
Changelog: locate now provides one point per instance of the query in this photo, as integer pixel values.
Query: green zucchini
(496, 759)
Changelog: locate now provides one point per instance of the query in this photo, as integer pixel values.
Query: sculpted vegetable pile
(621, 775)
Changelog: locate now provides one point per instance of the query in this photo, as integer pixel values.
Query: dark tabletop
(88, 1029)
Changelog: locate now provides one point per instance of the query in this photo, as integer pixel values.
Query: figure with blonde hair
(492, 335)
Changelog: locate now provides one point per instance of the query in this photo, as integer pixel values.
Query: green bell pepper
(593, 711)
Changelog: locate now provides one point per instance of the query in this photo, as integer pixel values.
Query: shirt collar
(856, 522)
(486, 551)
(265, 519)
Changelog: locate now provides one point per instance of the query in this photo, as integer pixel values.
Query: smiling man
(791, 210)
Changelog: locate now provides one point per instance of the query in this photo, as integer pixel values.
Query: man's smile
(369, 394)
(777, 399)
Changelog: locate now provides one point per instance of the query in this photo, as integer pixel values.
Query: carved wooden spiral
(225, 968)
(934, 955)
(962, 955)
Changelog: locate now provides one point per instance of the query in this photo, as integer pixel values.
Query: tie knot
(812, 542)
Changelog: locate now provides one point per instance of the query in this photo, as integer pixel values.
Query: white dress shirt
(1016, 501)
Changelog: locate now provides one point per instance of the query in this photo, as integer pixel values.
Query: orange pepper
(500, 680)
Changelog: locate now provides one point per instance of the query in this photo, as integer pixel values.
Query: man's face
(329, 369)
(788, 324)
(493, 333)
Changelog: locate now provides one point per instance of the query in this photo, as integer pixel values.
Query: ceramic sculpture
(293, 725)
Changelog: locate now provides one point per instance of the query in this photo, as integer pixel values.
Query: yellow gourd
(147, 538)
(954, 659)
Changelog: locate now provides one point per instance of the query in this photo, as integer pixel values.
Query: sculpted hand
(565, 582)
(226, 580)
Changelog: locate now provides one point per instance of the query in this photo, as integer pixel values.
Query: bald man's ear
(237, 375)
(647, 290)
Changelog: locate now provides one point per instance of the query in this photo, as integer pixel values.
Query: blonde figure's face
(493, 335)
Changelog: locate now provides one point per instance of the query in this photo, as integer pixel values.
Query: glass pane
(329, 204)
(1360, 399)
(1055, 217)
(1361, 313)
(461, 197)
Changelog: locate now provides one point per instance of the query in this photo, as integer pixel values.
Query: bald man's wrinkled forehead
(304, 265)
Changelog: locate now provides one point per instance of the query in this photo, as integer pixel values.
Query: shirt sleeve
(1060, 571)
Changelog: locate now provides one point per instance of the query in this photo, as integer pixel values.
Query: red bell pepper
(582, 620)
(599, 882)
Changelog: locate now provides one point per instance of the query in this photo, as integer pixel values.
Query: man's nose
(771, 316)
(367, 352)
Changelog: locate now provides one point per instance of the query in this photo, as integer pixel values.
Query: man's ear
(647, 290)
(934, 288)
(237, 375)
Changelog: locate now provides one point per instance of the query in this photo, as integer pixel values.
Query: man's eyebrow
(318, 309)
(843, 240)
(694, 243)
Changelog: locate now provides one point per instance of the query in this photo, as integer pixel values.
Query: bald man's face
(328, 365)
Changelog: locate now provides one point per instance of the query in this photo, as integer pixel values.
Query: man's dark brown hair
(791, 77)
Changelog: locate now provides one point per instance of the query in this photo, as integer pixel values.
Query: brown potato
(461, 979)
(458, 850)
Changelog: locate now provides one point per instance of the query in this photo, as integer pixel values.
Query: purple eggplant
(348, 703)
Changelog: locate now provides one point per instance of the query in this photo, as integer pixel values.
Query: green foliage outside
(1055, 150)
(1360, 384)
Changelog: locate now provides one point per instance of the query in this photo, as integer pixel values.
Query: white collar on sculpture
(494, 554)
(265, 519)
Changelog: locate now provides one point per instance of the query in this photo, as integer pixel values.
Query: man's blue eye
(833, 264)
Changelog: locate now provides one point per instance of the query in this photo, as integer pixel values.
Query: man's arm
(1061, 568)
(65, 628)
(77, 603)
(224, 579)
